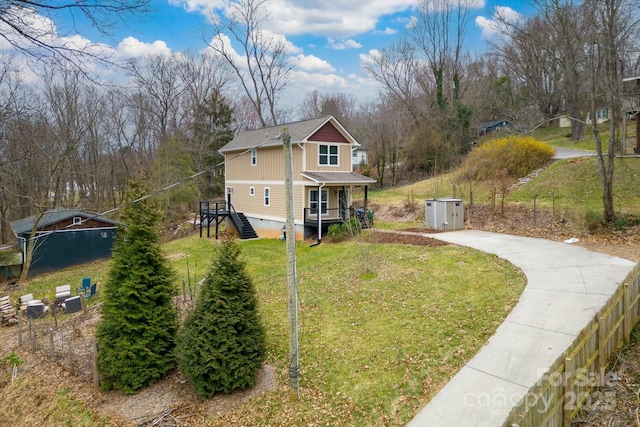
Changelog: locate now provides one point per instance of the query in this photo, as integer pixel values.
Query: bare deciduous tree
(398, 70)
(611, 22)
(339, 105)
(262, 70)
(439, 33)
(531, 53)
(160, 89)
(29, 26)
(57, 128)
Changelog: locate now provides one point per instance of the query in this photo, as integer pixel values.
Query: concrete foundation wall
(267, 228)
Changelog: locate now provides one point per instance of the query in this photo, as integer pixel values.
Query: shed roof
(272, 136)
(53, 216)
(338, 178)
(491, 124)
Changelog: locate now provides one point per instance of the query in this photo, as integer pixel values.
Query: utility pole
(292, 286)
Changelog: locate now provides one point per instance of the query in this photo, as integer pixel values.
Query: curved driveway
(566, 286)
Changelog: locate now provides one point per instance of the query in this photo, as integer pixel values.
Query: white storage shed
(444, 214)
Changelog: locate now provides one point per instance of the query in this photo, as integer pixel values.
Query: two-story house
(323, 177)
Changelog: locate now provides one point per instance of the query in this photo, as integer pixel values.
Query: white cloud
(131, 47)
(222, 40)
(387, 31)
(365, 89)
(369, 58)
(343, 44)
(412, 23)
(279, 38)
(219, 41)
(31, 23)
(498, 24)
(508, 14)
(311, 63)
(336, 18)
(488, 27)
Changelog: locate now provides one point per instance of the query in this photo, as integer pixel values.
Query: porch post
(366, 195)
(366, 198)
(319, 213)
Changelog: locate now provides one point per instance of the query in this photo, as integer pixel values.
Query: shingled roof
(54, 216)
(272, 136)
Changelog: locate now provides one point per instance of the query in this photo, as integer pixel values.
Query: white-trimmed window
(602, 113)
(77, 220)
(252, 191)
(267, 196)
(328, 154)
(254, 157)
(313, 202)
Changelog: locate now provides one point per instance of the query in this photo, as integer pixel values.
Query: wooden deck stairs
(242, 224)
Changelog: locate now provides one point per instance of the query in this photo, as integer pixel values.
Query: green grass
(375, 344)
(572, 187)
(44, 286)
(561, 137)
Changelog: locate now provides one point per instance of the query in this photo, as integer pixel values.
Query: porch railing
(328, 214)
(335, 215)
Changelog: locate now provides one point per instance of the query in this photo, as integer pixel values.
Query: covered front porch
(328, 199)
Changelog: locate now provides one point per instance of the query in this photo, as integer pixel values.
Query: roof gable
(328, 133)
(494, 123)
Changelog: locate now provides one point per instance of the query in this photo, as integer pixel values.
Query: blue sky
(329, 39)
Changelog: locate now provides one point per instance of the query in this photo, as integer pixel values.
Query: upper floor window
(77, 220)
(254, 157)
(328, 155)
(252, 191)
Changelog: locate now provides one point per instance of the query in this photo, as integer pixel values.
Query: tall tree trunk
(29, 249)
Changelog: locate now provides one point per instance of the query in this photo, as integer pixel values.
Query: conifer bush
(516, 156)
(221, 345)
(136, 335)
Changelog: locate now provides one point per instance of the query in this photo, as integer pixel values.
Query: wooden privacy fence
(571, 382)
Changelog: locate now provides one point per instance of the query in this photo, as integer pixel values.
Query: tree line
(69, 139)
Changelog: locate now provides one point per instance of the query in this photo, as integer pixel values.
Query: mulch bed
(405, 237)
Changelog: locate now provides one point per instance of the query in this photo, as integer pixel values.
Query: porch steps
(242, 224)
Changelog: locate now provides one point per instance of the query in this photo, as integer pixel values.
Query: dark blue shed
(66, 237)
(488, 127)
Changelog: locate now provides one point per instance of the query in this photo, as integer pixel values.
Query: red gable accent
(328, 133)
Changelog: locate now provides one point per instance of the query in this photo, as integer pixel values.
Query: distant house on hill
(358, 157)
(602, 115)
(65, 237)
(631, 110)
(492, 126)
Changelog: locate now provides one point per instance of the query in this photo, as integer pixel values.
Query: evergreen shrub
(221, 346)
(136, 335)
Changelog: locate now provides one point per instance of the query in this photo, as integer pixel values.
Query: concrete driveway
(569, 153)
(566, 286)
